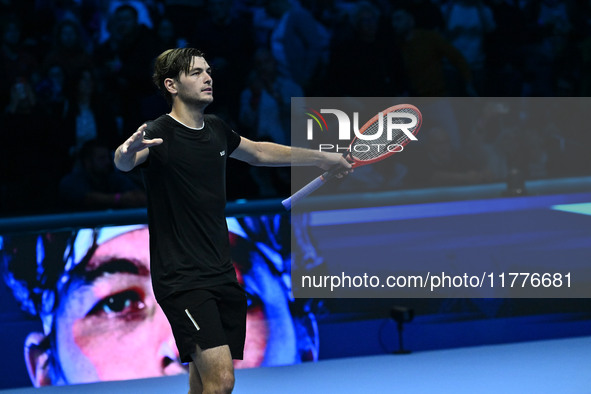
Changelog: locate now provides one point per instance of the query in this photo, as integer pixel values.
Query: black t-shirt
(185, 179)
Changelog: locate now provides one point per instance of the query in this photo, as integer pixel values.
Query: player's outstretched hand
(137, 142)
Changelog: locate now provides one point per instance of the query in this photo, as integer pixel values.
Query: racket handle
(306, 190)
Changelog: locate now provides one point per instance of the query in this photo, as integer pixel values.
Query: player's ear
(170, 85)
(37, 359)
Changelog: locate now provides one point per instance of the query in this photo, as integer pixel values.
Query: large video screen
(78, 305)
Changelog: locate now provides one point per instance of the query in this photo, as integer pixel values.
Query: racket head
(362, 152)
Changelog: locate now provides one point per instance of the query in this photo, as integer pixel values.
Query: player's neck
(192, 118)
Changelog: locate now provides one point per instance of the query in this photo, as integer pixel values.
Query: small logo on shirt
(223, 153)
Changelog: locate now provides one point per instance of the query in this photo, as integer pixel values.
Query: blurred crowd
(76, 82)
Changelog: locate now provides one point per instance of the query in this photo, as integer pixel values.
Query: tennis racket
(362, 152)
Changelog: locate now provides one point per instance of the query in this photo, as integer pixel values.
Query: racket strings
(365, 150)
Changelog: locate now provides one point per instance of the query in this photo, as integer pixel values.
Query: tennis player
(183, 156)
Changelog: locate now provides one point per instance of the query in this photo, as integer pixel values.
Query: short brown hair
(170, 64)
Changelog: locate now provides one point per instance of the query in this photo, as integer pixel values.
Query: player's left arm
(270, 154)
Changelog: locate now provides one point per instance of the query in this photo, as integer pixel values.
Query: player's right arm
(133, 151)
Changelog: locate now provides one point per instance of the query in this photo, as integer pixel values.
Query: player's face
(196, 85)
(109, 326)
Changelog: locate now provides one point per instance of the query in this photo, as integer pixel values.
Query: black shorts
(208, 317)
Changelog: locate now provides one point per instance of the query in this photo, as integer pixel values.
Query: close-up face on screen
(99, 319)
(109, 306)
